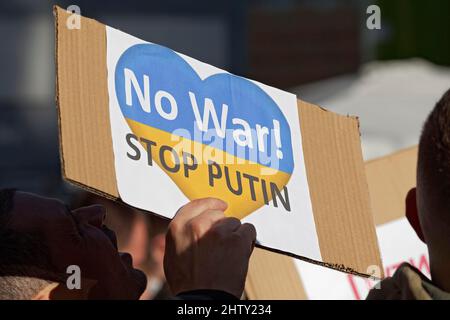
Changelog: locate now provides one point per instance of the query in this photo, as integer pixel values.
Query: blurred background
(320, 50)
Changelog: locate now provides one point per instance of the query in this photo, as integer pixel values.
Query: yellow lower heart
(241, 183)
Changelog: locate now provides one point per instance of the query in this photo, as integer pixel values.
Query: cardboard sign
(184, 130)
(389, 178)
(117, 115)
(398, 244)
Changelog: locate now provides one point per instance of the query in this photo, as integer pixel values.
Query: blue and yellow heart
(238, 136)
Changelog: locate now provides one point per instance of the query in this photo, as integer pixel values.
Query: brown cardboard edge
(335, 266)
(338, 189)
(399, 176)
(57, 102)
(99, 173)
(273, 276)
(394, 154)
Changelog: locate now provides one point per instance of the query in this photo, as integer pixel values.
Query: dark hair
(24, 261)
(6, 205)
(434, 157)
(23, 266)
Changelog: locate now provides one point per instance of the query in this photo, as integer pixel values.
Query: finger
(126, 258)
(227, 225)
(197, 207)
(205, 221)
(140, 280)
(247, 232)
(93, 215)
(110, 234)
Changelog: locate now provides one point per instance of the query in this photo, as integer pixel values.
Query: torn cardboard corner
(331, 148)
(389, 178)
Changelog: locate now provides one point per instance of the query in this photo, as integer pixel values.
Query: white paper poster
(184, 130)
(398, 243)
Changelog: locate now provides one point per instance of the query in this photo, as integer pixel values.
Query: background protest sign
(330, 144)
(389, 179)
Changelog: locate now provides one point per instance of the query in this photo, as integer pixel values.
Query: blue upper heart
(168, 71)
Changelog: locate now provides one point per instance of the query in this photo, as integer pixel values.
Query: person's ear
(412, 214)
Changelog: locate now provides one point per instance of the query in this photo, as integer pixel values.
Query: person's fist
(206, 250)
